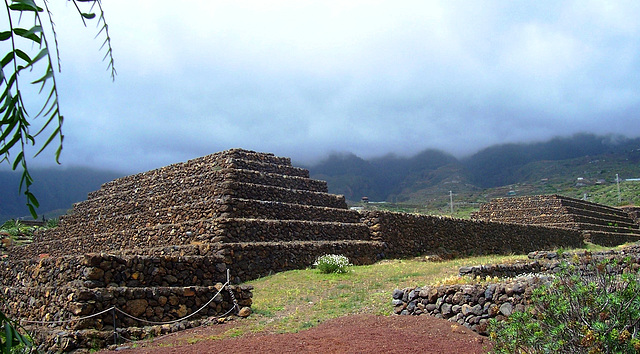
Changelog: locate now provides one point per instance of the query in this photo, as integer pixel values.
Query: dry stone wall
(150, 304)
(474, 305)
(409, 235)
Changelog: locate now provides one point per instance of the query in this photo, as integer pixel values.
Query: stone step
(258, 230)
(197, 231)
(578, 204)
(274, 210)
(543, 201)
(75, 225)
(95, 209)
(99, 270)
(550, 202)
(597, 227)
(537, 218)
(550, 212)
(193, 167)
(213, 177)
(252, 260)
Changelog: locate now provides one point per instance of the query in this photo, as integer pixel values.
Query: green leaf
(53, 135)
(32, 199)
(43, 53)
(10, 144)
(18, 159)
(88, 15)
(59, 150)
(22, 55)
(24, 5)
(7, 59)
(8, 330)
(5, 35)
(24, 33)
(7, 130)
(32, 210)
(34, 30)
(45, 77)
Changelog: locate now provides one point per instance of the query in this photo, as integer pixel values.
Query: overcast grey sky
(306, 78)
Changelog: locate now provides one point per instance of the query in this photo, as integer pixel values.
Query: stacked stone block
(599, 223)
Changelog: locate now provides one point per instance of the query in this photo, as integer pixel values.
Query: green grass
(298, 299)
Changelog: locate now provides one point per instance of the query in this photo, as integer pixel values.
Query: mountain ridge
(494, 167)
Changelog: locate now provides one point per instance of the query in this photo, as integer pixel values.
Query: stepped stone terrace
(599, 223)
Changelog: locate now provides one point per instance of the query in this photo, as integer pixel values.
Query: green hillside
(582, 166)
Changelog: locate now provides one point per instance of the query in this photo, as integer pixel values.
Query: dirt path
(349, 334)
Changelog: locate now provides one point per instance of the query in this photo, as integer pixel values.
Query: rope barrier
(71, 320)
(183, 318)
(116, 309)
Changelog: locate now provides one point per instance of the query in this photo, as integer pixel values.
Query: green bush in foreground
(332, 263)
(589, 310)
(12, 336)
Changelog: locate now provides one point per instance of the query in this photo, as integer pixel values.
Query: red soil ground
(350, 334)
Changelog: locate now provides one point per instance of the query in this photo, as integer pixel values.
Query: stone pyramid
(159, 243)
(599, 223)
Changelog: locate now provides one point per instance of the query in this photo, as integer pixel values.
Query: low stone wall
(410, 235)
(253, 260)
(472, 306)
(102, 270)
(157, 304)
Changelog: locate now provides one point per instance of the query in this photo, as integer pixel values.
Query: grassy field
(299, 299)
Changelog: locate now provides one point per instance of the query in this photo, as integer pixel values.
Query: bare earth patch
(348, 334)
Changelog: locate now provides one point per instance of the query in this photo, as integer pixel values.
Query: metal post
(618, 183)
(451, 201)
(115, 333)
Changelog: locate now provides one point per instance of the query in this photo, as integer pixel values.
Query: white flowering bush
(332, 263)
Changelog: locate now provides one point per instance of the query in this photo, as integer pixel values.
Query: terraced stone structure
(600, 224)
(158, 244)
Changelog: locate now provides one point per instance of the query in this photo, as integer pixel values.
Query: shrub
(588, 309)
(12, 336)
(332, 263)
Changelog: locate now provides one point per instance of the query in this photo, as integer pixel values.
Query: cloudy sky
(307, 78)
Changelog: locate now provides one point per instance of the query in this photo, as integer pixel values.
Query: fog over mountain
(380, 178)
